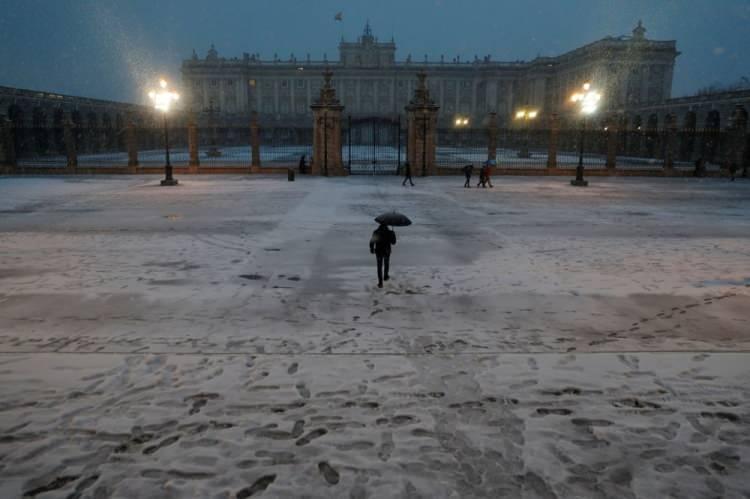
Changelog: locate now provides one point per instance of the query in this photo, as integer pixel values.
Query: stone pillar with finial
(7, 149)
(327, 112)
(670, 140)
(421, 115)
(613, 137)
(554, 138)
(131, 142)
(70, 130)
(739, 141)
(194, 161)
(255, 143)
(492, 136)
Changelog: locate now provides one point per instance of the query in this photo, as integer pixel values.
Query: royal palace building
(631, 71)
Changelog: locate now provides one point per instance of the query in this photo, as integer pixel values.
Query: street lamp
(163, 100)
(588, 101)
(461, 121)
(526, 115)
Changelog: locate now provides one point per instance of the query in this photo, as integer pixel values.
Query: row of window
(384, 85)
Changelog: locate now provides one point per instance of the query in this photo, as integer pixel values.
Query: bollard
(290, 175)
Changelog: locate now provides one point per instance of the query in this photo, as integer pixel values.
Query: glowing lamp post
(588, 102)
(527, 115)
(163, 100)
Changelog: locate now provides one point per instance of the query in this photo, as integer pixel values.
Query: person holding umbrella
(382, 239)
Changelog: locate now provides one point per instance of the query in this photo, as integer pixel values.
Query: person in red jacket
(487, 171)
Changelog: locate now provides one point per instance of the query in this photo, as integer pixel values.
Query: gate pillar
(421, 115)
(193, 147)
(492, 136)
(255, 143)
(70, 130)
(612, 136)
(554, 138)
(738, 140)
(7, 152)
(327, 111)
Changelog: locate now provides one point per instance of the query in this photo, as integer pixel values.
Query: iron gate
(373, 146)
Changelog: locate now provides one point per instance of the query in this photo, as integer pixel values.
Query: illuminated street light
(526, 115)
(588, 102)
(163, 100)
(461, 121)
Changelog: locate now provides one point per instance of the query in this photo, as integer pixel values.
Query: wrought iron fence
(40, 147)
(379, 146)
(457, 147)
(284, 146)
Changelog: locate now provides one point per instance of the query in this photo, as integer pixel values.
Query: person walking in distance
(467, 174)
(487, 173)
(380, 245)
(302, 164)
(407, 174)
(482, 179)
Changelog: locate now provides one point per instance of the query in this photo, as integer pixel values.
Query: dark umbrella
(393, 219)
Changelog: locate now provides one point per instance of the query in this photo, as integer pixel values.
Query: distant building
(632, 71)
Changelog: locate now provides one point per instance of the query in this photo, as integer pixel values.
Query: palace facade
(632, 72)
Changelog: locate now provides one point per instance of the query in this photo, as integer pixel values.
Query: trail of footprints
(149, 440)
(664, 314)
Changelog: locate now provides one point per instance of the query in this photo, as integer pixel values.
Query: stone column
(193, 148)
(327, 112)
(554, 137)
(738, 140)
(255, 143)
(422, 114)
(612, 138)
(7, 146)
(70, 146)
(670, 139)
(492, 136)
(131, 139)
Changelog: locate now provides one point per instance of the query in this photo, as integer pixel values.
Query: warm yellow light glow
(466, 121)
(589, 99)
(163, 98)
(458, 121)
(527, 114)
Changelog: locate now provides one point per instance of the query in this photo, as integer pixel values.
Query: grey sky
(112, 48)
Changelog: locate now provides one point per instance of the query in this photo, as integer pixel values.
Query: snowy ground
(225, 338)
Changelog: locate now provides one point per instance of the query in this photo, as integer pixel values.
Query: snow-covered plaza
(226, 338)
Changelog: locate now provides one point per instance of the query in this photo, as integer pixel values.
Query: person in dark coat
(380, 245)
(407, 174)
(467, 173)
(482, 176)
(732, 170)
(700, 167)
(302, 165)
